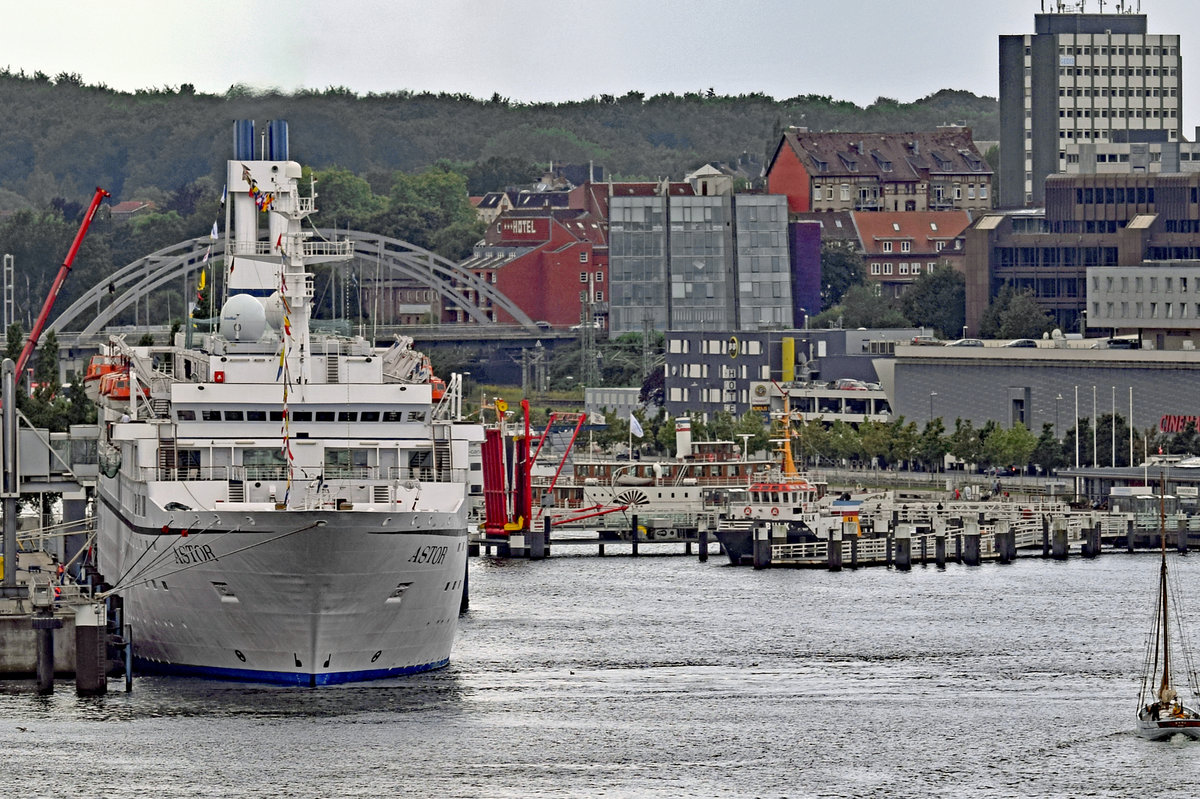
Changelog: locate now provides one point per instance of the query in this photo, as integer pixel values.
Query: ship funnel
(277, 140)
(683, 438)
(243, 140)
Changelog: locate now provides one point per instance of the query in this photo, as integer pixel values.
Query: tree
(965, 442)
(933, 444)
(937, 299)
(1048, 453)
(862, 307)
(1014, 315)
(841, 267)
(1012, 447)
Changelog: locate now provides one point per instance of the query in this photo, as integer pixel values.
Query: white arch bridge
(124, 288)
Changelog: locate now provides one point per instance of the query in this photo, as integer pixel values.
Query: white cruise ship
(278, 505)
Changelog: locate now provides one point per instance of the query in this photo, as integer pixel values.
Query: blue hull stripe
(281, 677)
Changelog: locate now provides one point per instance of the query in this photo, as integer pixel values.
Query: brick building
(936, 170)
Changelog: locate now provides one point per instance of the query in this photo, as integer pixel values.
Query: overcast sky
(547, 50)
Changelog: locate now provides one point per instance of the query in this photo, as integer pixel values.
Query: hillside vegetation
(60, 137)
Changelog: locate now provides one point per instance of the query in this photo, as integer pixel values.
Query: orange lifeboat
(115, 386)
(98, 367)
(439, 388)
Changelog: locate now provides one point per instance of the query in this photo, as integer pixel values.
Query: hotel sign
(525, 229)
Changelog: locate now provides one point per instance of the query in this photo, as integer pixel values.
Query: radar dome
(243, 318)
(273, 306)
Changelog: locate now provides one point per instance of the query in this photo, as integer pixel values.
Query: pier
(536, 544)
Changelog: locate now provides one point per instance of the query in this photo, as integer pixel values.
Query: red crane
(48, 305)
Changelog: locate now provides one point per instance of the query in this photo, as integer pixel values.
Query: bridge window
(369, 416)
(347, 416)
(324, 416)
(256, 416)
(234, 416)
(302, 416)
(185, 416)
(393, 416)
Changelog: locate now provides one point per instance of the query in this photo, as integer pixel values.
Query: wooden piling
(939, 550)
(1181, 542)
(633, 535)
(702, 533)
(44, 625)
(1129, 535)
(1045, 536)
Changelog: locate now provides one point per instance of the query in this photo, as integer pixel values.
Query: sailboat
(1162, 712)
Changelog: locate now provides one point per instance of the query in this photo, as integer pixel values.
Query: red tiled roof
(921, 228)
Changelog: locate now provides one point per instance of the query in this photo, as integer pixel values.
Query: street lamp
(964, 335)
(805, 312)
(1057, 400)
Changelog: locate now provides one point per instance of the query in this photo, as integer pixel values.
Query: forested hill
(60, 137)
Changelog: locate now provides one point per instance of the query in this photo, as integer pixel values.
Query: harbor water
(660, 676)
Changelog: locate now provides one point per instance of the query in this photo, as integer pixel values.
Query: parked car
(966, 342)
(1124, 344)
(850, 384)
(926, 341)
(1022, 342)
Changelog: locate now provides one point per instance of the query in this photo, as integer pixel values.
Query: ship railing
(427, 475)
(316, 249)
(185, 473)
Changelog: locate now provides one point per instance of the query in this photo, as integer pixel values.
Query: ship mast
(1164, 687)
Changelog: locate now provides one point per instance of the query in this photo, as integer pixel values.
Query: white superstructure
(279, 505)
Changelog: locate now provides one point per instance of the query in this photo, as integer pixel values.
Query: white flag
(213, 235)
(635, 427)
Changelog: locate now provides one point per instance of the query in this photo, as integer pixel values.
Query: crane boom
(59, 279)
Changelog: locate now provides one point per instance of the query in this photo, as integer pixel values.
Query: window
(599, 277)
(185, 416)
(875, 269)
(583, 256)
(599, 296)
(929, 266)
(904, 269)
(845, 192)
(887, 246)
(906, 246)
(583, 277)
(937, 246)
(887, 269)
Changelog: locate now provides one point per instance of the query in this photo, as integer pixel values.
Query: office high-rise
(1081, 78)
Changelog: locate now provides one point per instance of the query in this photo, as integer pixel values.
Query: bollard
(904, 547)
(854, 552)
(633, 535)
(849, 533)
(939, 550)
(762, 546)
(1045, 536)
(833, 549)
(1059, 548)
(1129, 536)
(547, 529)
(703, 534)
(1181, 542)
(971, 550)
(91, 660)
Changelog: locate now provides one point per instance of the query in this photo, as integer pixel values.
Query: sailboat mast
(1162, 591)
